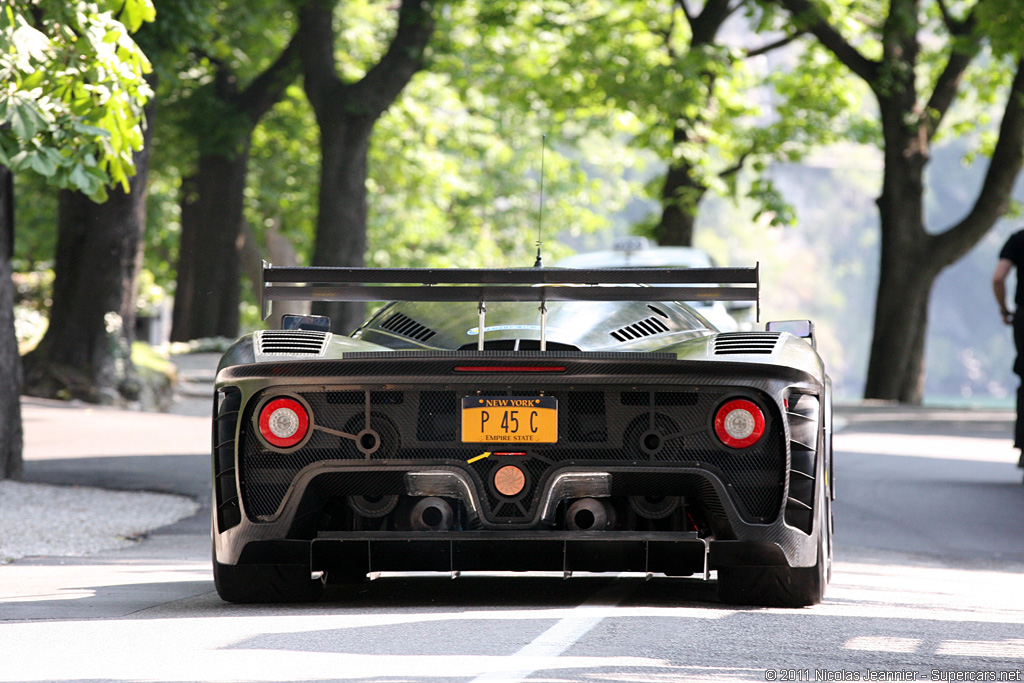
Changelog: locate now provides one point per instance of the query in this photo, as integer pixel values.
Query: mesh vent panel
(653, 426)
(638, 330)
(755, 343)
(402, 324)
(291, 342)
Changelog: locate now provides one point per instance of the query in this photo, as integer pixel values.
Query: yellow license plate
(511, 419)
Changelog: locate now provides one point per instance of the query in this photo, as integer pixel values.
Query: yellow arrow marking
(479, 457)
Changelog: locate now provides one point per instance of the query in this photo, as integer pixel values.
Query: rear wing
(484, 285)
(513, 284)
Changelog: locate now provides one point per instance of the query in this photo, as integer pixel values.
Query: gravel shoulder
(99, 479)
(72, 521)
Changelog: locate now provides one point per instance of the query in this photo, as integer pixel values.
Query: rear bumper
(536, 549)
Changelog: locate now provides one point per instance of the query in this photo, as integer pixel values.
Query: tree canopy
(926, 63)
(74, 90)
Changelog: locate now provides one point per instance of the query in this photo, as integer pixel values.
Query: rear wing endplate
(484, 285)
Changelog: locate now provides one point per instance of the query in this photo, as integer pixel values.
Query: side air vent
(756, 343)
(802, 415)
(407, 327)
(638, 330)
(291, 342)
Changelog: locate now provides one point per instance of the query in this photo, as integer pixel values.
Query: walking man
(1012, 256)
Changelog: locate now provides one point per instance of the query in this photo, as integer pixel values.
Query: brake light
(284, 422)
(509, 368)
(739, 423)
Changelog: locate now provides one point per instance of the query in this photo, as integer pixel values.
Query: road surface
(928, 585)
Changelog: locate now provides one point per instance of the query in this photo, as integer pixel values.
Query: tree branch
(704, 26)
(953, 25)
(686, 10)
(948, 83)
(812, 20)
(384, 82)
(781, 42)
(316, 50)
(735, 168)
(736, 8)
(946, 88)
(267, 88)
(1003, 169)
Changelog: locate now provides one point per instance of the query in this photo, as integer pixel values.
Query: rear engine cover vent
(407, 327)
(638, 330)
(753, 343)
(291, 342)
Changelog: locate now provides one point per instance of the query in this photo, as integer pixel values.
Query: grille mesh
(656, 426)
(402, 324)
(291, 342)
(644, 328)
(753, 343)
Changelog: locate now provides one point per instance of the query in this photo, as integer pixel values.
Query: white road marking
(883, 644)
(563, 635)
(1006, 649)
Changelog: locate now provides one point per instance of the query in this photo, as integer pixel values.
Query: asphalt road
(928, 585)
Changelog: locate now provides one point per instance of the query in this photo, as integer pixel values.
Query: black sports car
(523, 419)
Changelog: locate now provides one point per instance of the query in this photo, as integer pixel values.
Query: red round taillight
(739, 423)
(284, 422)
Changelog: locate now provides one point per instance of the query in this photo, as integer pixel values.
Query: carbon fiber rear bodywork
(638, 478)
(645, 422)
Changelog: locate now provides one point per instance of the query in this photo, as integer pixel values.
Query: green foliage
(1002, 22)
(229, 39)
(453, 168)
(283, 176)
(74, 88)
(635, 68)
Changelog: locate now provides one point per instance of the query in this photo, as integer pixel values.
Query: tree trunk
(86, 351)
(346, 113)
(10, 362)
(908, 270)
(208, 290)
(681, 192)
(896, 365)
(680, 196)
(341, 221)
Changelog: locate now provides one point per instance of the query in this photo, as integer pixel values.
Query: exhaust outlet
(431, 514)
(372, 507)
(654, 507)
(590, 514)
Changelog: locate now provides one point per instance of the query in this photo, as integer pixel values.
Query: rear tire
(781, 586)
(256, 583)
(773, 586)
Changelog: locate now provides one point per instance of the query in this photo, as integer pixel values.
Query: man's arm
(1003, 268)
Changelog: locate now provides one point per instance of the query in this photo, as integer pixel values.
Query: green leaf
(81, 179)
(86, 129)
(39, 163)
(133, 13)
(22, 122)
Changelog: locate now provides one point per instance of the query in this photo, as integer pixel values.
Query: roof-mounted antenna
(539, 263)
